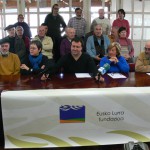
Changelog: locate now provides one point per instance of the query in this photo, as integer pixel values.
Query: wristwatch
(31, 70)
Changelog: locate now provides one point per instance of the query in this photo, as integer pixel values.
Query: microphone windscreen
(106, 66)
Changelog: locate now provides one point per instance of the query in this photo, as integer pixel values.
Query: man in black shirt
(76, 61)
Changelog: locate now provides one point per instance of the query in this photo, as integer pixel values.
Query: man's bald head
(147, 48)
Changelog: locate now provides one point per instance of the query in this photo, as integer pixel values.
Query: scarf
(100, 49)
(35, 61)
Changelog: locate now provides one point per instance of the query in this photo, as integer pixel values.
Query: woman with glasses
(115, 60)
(35, 62)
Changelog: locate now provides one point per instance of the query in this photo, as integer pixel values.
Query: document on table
(116, 75)
(82, 75)
(148, 74)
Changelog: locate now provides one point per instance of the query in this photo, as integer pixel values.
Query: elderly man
(65, 46)
(143, 60)
(17, 45)
(20, 34)
(106, 26)
(78, 23)
(9, 62)
(47, 43)
(97, 44)
(76, 61)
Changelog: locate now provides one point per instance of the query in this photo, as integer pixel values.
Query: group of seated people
(20, 54)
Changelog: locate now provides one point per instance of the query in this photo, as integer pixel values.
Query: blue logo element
(72, 114)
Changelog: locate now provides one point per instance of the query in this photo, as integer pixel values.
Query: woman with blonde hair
(114, 59)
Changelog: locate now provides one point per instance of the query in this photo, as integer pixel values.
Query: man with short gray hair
(103, 21)
(97, 44)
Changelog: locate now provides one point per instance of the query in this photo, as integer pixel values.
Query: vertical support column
(53, 2)
(87, 13)
(38, 12)
(70, 6)
(103, 3)
(21, 7)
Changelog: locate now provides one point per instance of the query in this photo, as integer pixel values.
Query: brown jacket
(142, 63)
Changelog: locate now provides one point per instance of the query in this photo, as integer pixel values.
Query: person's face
(19, 31)
(98, 31)
(5, 48)
(20, 18)
(101, 13)
(112, 52)
(34, 51)
(11, 32)
(46, 28)
(123, 34)
(70, 34)
(114, 32)
(76, 48)
(147, 49)
(120, 15)
(55, 10)
(41, 31)
(78, 13)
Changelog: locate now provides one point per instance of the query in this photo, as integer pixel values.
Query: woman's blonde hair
(118, 48)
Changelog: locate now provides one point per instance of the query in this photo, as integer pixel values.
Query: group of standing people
(48, 49)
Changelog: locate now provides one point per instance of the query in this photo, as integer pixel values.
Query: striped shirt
(79, 24)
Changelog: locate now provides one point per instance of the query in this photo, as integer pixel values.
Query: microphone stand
(99, 76)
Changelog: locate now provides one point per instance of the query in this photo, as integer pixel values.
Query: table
(19, 82)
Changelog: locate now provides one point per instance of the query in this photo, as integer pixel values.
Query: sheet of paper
(116, 75)
(82, 75)
(148, 74)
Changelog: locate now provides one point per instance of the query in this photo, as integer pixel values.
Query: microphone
(104, 69)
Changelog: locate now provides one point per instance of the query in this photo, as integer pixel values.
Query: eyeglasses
(147, 49)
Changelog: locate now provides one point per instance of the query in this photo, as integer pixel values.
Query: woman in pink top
(127, 49)
(121, 22)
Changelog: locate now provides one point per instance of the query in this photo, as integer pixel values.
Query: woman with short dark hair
(36, 62)
(121, 22)
(127, 49)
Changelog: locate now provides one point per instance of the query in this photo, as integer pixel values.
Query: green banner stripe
(134, 135)
(52, 139)
(24, 144)
(82, 141)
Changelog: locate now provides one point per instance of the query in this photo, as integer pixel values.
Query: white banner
(75, 117)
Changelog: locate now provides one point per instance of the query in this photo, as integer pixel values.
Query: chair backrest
(132, 67)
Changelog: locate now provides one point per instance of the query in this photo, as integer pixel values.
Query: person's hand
(43, 67)
(97, 57)
(114, 59)
(99, 78)
(23, 66)
(44, 77)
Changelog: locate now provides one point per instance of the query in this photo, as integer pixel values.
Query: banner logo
(72, 114)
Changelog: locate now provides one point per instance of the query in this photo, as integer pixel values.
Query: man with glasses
(55, 22)
(143, 60)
